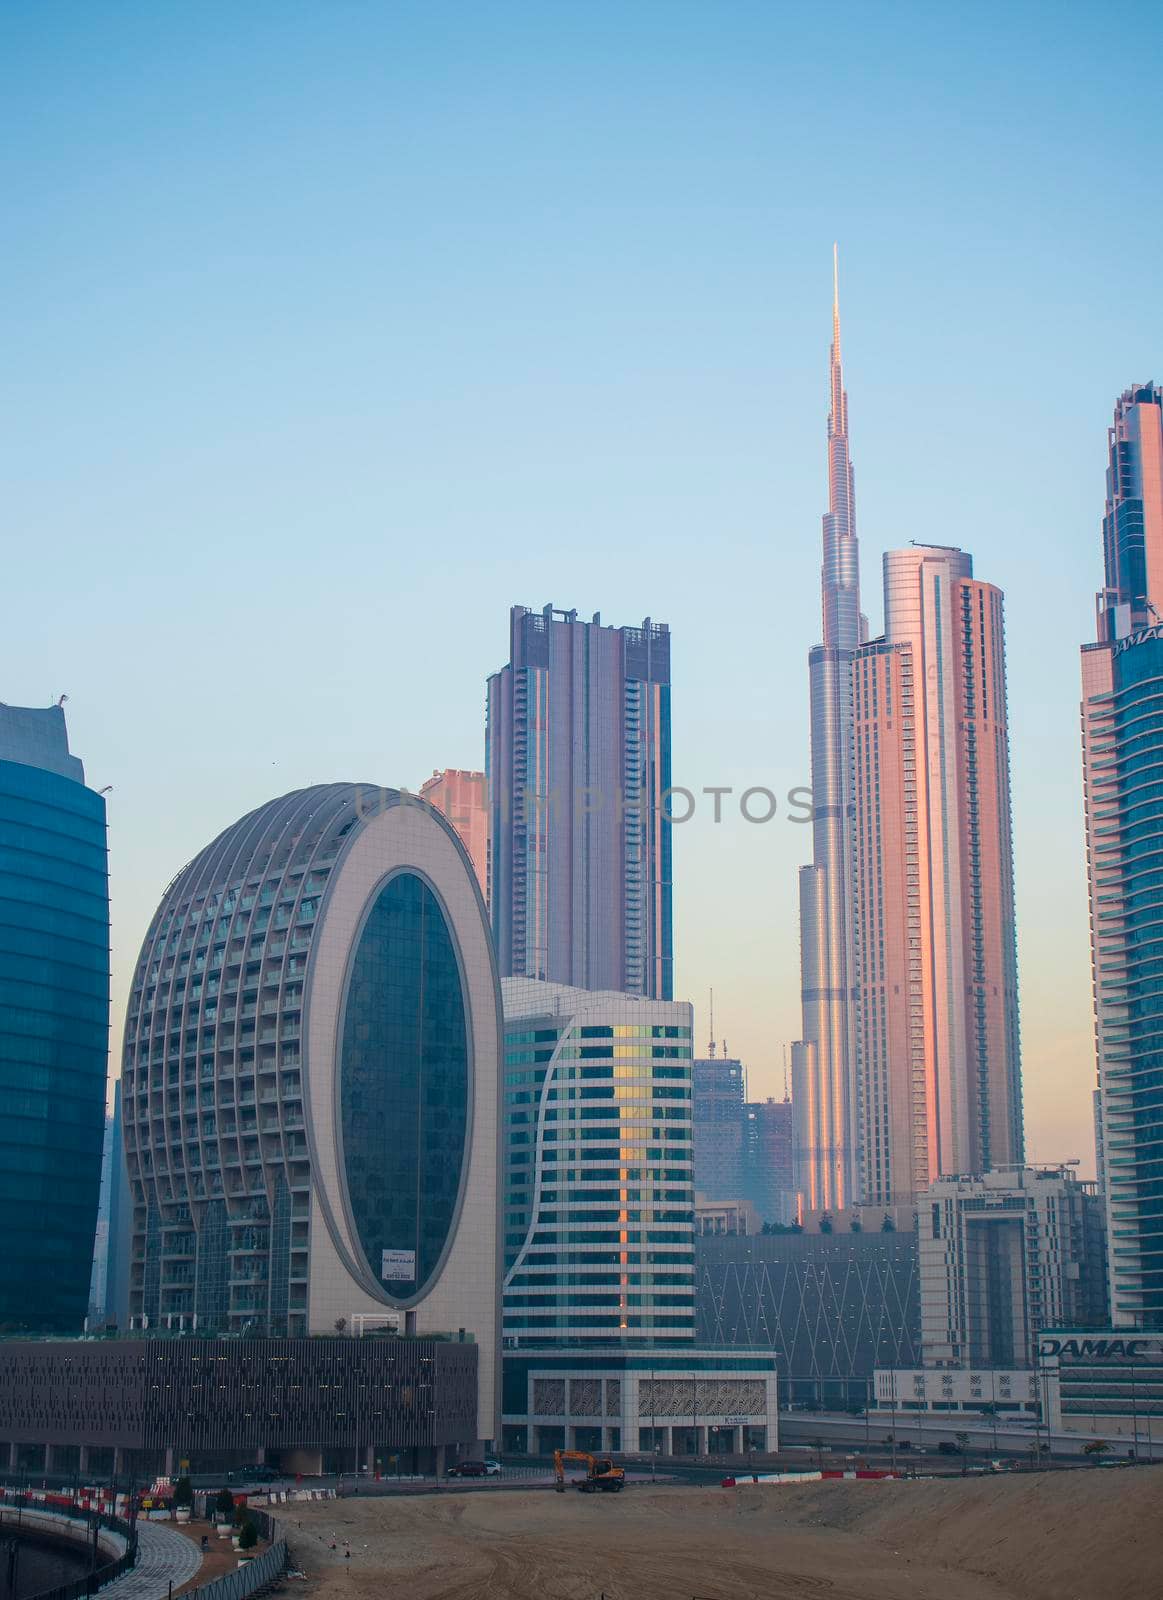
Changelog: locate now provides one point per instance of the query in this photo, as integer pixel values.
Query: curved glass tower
(54, 1021)
(823, 1061)
(310, 1081)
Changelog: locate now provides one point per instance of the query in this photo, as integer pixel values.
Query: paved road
(851, 1433)
(162, 1554)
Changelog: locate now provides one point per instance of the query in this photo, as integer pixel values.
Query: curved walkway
(163, 1555)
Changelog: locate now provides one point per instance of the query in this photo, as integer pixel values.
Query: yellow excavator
(601, 1473)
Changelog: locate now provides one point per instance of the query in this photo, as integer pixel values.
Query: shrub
(183, 1494)
(224, 1503)
(248, 1538)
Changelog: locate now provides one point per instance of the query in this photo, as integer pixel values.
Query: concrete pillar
(169, 1467)
(50, 1458)
(441, 1456)
(13, 1457)
(118, 1462)
(737, 1440)
(369, 1458)
(701, 1440)
(83, 1459)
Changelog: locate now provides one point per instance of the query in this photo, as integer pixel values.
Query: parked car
(467, 1469)
(492, 1467)
(255, 1474)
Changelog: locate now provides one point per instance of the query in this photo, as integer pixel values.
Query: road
(986, 1435)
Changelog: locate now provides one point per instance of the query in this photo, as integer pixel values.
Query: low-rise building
(949, 1389)
(835, 1306)
(134, 1407)
(1107, 1383)
(725, 1217)
(666, 1401)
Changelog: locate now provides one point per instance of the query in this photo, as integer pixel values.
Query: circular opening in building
(404, 1085)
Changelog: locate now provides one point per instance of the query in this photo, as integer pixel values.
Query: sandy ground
(1081, 1535)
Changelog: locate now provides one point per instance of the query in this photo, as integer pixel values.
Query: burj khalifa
(823, 1061)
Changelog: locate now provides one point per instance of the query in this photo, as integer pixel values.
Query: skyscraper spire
(823, 1060)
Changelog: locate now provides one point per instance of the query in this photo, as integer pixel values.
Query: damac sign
(1101, 1349)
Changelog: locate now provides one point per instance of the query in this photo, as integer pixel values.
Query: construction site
(1082, 1534)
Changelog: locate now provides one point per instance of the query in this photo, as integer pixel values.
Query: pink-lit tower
(823, 1061)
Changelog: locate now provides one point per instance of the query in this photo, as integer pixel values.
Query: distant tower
(463, 797)
(823, 1060)
(578, 762)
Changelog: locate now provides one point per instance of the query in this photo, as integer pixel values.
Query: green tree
(248, 1537)
(1096, 1449)
(184, 1494)
(224, 1503)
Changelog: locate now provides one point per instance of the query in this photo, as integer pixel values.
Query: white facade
(946, 1389)
(299, 1107)
(1001, 1256)
(599, 1173)
(697, 1402)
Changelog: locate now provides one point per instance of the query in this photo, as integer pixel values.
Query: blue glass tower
(1122, 737)
(54, 1021)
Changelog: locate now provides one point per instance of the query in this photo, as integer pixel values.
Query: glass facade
(1125, 813)
(599, 1167)
(54, 1041)
(404, 1084)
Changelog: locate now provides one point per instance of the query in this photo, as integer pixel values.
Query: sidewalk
(163, 1555)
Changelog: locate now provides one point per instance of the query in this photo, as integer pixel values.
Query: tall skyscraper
(310, 1082)
(933, 898)
(463, 797)
(54, 1021)
(720, 1128)
(823, 1060)
(1122, 743)
(768, 1181)
(578, 761)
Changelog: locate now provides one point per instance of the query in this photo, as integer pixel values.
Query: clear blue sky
(333, 329)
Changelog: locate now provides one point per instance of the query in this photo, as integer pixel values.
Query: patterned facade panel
(585, 1397)
(613, 1397)
(549, 1397)
(711, 1396)
(201, 1394)
(834, 1306)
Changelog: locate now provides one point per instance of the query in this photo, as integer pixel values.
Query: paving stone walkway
(162, 1554)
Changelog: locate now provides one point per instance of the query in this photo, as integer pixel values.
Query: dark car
(255, 1474)
(948, 1448)
(468, 1469)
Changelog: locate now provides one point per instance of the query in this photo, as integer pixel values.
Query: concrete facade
(1002, 1256)
(665, 1401)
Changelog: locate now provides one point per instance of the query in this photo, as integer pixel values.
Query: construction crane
(601, 1473)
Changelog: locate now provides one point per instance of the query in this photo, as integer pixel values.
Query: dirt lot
(1080, 1535)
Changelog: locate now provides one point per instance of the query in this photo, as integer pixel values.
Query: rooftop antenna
(711, 1046)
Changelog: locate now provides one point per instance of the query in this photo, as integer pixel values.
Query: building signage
(1143, 635)
(1083, 1347)
(398, 1266)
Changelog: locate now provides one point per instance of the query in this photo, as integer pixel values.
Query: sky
(332, 330)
